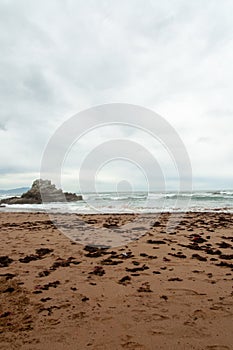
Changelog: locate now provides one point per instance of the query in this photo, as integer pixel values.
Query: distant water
(138, 202)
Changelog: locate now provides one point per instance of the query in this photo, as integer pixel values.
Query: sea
(136, 202)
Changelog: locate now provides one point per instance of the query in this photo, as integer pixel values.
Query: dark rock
(9, 290)
(124, 279)
(40, 253)
(45, 299)
(199, 257)
(226, 256)
(50, 284)
(95, 254)
(5, 314)
(40, 192)
(5, 261)
(111, 262)
(224, 245)
(172, 279)
(85, 299)
(136, 269)
(151, 241)
(156, 224)
(223, 263)
(198, 239)
(64, 263)
(29, 258)
(110, 225)
(8, 276)
(178, 255)
(213, 252)
(43, 251)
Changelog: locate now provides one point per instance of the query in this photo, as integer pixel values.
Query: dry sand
(164, 291)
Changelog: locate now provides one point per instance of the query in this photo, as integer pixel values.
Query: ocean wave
(141, 202)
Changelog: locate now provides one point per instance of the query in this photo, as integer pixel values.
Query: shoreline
(172, 289)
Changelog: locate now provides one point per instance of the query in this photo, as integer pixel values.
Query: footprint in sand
(132, 345)
(184, 291)
(217, 347)
(198, 314)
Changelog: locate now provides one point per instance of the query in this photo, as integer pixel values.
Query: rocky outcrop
(43, 191)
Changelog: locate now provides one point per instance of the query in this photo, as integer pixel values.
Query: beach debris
(164, 297)
(43, 273)
(5, 261)
(98, 270)
(47, 286)
(126, 255)
(48, 309)
(145, 287)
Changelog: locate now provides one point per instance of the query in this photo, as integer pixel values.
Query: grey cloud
(219, 113)
(59, 57)
(203, 139)
(2, 127)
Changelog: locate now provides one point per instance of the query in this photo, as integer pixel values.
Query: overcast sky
(61, 57)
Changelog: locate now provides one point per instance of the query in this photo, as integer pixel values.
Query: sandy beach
(166, 290)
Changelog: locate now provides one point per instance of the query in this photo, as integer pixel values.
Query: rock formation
(42, 191)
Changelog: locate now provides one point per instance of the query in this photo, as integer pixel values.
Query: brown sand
(164, 291)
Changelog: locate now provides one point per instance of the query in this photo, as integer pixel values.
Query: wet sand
(166, 290)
